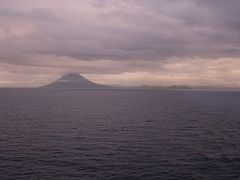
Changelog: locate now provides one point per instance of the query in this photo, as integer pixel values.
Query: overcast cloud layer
(129, 42)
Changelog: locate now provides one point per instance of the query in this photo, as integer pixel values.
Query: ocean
(119, 134)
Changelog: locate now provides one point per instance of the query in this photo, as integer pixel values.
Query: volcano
(73, 81)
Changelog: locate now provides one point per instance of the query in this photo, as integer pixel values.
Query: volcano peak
(73, 81)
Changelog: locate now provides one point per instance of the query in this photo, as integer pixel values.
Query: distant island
(76, 81)
(73, 81)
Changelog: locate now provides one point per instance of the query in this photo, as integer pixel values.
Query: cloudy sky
(128, 42)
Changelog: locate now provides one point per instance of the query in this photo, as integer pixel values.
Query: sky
(120, 42)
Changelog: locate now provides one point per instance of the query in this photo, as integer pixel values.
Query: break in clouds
(128, 42)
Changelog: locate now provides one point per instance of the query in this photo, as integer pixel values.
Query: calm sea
(119, 134)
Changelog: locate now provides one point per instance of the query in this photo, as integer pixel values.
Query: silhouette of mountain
(73, 81)
(76, 81)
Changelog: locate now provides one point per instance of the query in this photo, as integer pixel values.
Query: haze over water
(119, 134)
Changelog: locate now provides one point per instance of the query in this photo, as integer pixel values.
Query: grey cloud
(151, 30)
(34, 14)
(127, 32)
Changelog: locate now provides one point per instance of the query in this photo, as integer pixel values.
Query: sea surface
(119, 134)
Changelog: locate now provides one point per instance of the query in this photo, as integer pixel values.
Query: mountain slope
(73, 81)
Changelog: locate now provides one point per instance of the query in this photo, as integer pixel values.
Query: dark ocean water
(119, 134)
